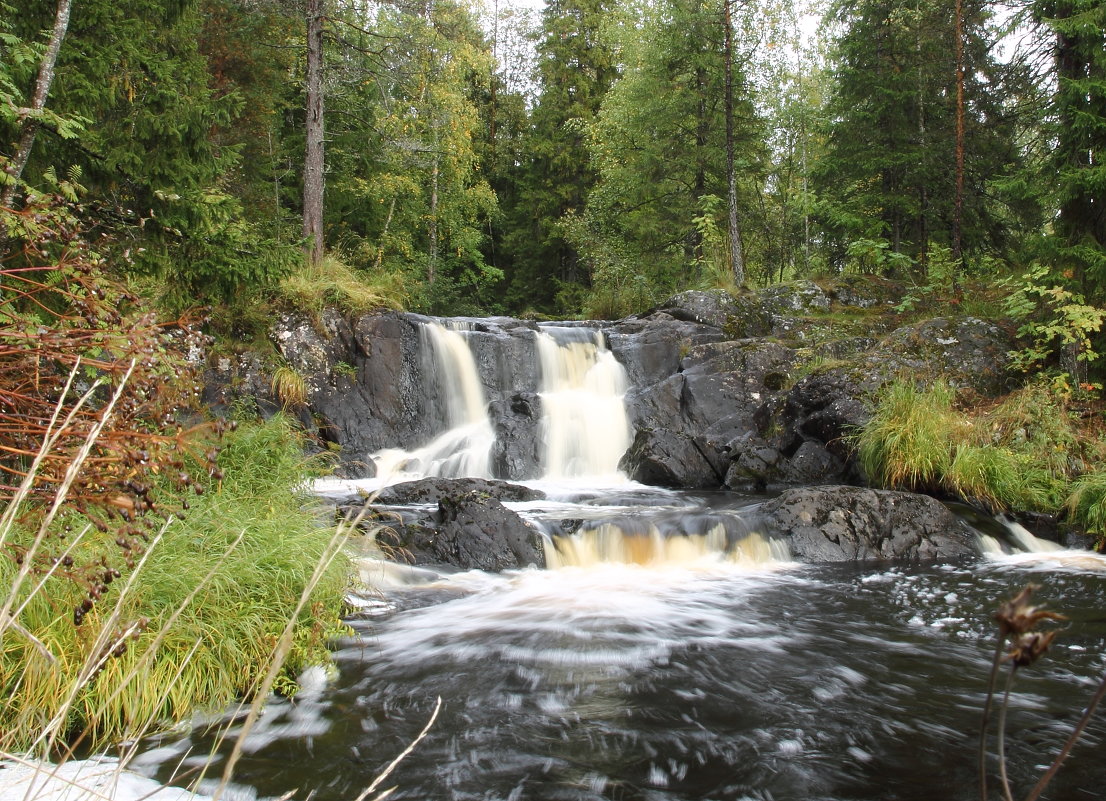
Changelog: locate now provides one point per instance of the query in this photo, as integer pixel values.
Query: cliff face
(752, 392)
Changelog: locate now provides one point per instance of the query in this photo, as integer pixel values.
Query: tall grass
(909, 439)
(197, 622)
(1087, 504)
(1021, 453)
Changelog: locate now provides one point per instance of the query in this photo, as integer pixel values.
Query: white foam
(83, 780)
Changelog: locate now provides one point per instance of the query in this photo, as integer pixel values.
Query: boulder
(841, 523)
(432, 490)
(736, 316)
(666, 458)
(471, 531)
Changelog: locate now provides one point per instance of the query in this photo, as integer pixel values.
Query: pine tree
(921, 133)
(1079, 160)
(659, 207)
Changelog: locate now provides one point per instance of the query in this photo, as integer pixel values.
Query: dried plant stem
(1006, 793)
(1076, 733)
(280, 653)
(403, 755)
(987, 718)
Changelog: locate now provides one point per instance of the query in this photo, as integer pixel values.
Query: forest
(176, 176)
(584, 159)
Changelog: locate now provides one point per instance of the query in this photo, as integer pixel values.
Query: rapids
(671, 651)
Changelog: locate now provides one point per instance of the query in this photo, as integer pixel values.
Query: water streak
(584, 426)
(464, 448)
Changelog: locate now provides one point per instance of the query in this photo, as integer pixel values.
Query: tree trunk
(958, 200)
(38, 102)
(313, 180)
(432, 268)
(737, 249)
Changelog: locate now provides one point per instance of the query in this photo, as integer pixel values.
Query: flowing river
(670, 652)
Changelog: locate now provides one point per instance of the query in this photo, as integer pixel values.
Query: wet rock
(432, 490)
(687, 422)
(474, 532)
(665, 458)
(839, 524)
(651, 349)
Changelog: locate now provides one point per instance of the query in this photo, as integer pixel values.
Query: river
(669, 652)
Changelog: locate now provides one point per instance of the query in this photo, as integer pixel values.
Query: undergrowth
(199, 624)
(1026, 452)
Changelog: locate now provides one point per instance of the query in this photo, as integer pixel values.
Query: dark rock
(651, 349)
(968, 352)
(432, 490)
(687, 422)
(838, 523)
(517, 450)
(477, 532)
(865, 292)
(737, 317)
(666, 458)
(794, 297)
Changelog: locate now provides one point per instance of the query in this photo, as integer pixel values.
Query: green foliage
(877, 257)
(1058, 326)
(1021, 454)
(248, 546)
(576, 66)
(890, 156)
(658, 143)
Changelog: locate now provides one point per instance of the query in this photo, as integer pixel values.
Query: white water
(584, 426)
(464, 448)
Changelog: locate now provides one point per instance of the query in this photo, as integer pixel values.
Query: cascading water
(675, 654)
(585, 430)
(464, 448)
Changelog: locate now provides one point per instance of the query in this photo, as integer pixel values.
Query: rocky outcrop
(755, 391)
(839, 523)
(465, 528)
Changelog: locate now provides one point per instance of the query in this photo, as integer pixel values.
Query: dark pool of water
(684, 682)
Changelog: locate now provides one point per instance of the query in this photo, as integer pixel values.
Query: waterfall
(464, 448)
(584, 427)
(612, 543)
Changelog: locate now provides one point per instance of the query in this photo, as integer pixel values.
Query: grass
(908, 441)
(198, 622)
(289, 387)
(333, 283)
(1024, 452)
(1087, 503)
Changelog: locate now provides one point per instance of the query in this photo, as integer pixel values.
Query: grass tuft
(198, 620)
(1087, 503)
(333, 283)
(908, 441)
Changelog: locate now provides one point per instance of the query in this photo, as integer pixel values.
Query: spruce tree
(575, 69)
